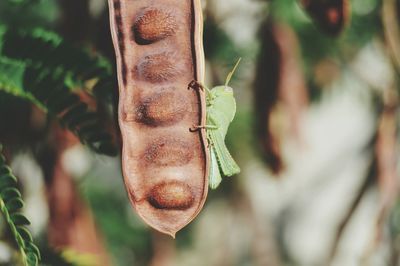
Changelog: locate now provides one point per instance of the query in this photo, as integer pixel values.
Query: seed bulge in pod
(169, 151)
(154, 24)
(162, 108)
(172, 195)
(160, 67)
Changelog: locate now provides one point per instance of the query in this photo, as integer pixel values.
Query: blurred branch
(387, 155)
(391, 29)
(163, 250)
(71, 225)
(368, 182)
(383, 170)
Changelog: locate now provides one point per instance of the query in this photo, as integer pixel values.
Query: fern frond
(47, 89)
(41, 48)
(11, 79)
(10, 206)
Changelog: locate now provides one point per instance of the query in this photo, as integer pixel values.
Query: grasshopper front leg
(194, 84)
(198, 86)
(195, 128)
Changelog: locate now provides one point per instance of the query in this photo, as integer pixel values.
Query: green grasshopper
(220, 111)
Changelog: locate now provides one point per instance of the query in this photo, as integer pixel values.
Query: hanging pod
(159, 51)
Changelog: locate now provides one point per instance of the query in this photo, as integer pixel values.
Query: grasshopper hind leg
(227, 164)
(214, 178)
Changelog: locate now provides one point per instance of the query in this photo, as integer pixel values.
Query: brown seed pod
(159, 52)
(332, 16)
(266, 95)
(279, 89)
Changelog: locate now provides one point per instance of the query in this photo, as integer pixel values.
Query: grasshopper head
(223, 90)
(228, 89)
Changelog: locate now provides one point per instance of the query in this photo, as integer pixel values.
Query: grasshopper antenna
(229, 77)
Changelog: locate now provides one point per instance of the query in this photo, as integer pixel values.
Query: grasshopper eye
(228, 89)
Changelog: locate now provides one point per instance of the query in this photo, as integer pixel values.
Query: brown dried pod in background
(280, 92)
(159, 52)
(266, 90)
(331, 16)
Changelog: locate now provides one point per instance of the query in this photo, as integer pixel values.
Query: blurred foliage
(317, 46)
(217, 44)
(40, 13)
(127, 239)
(39, 67)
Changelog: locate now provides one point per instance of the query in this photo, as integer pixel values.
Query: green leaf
(7, 180)
(15, 204)
(30, 247)
(11, 202)
(32, 259)
(24, 233)
(10, 193)
(47, 90)
(43, 48)
(5, 170)
(19, 219)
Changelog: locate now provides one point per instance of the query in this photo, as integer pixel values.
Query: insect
(220, 111)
